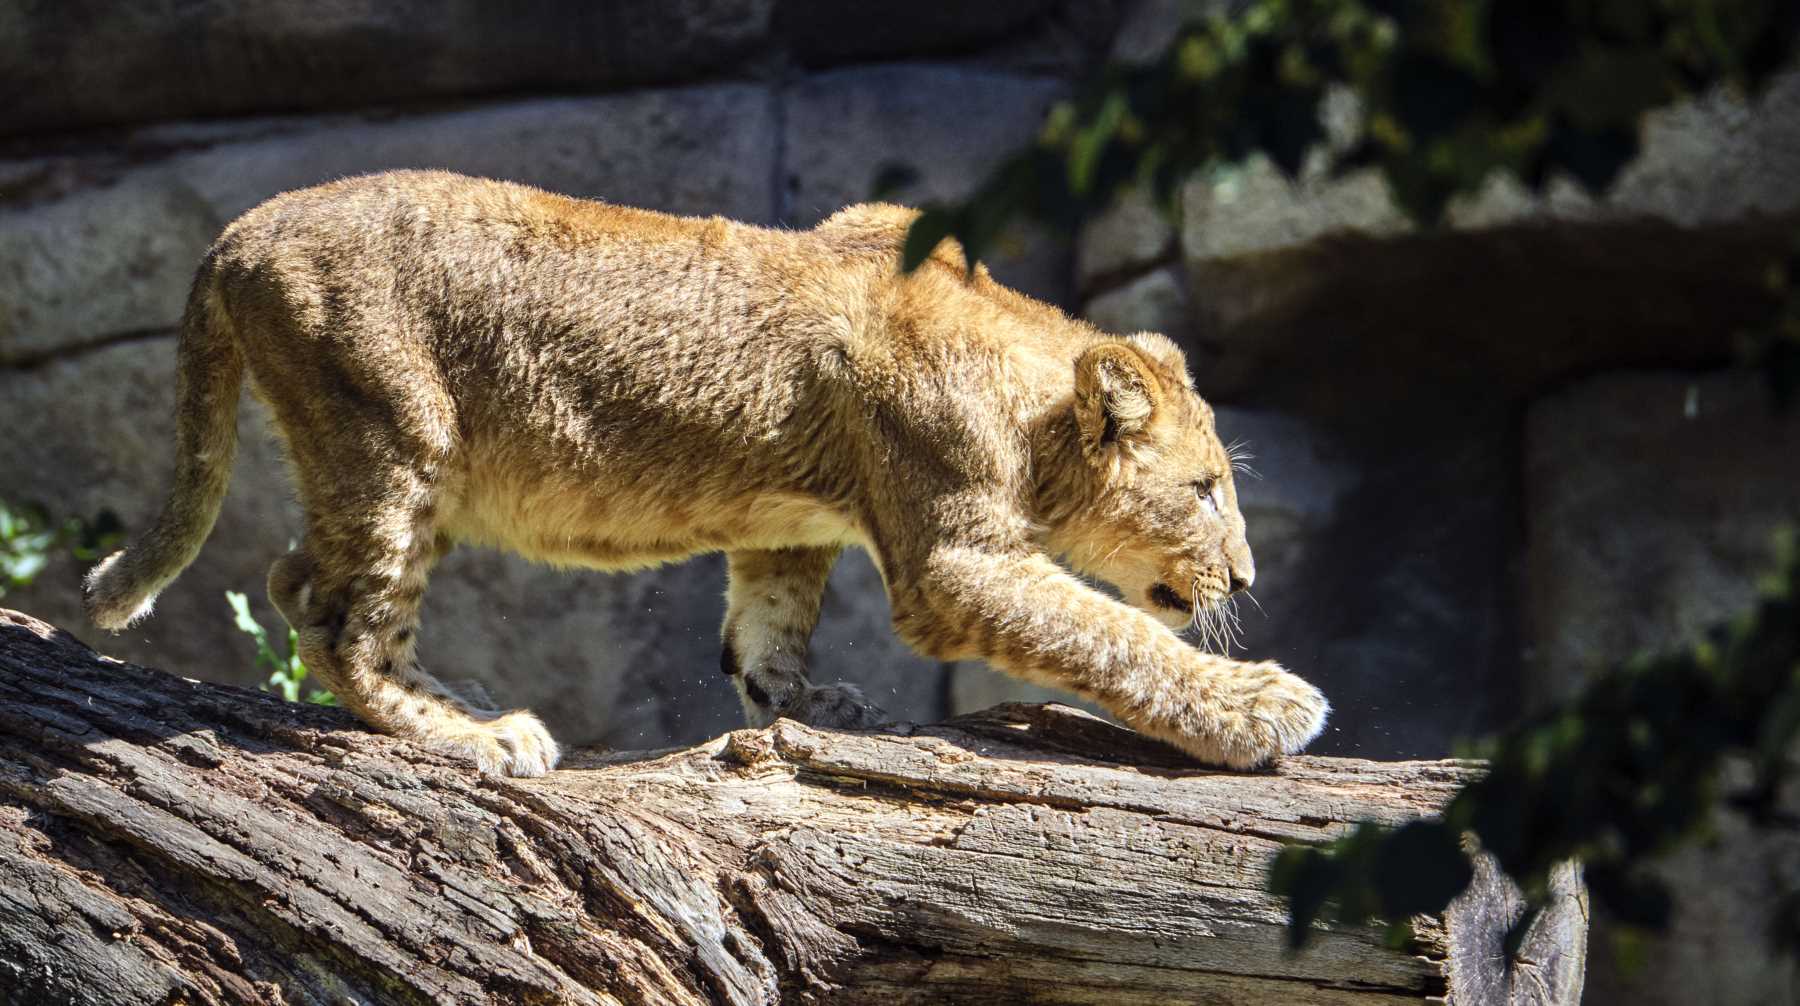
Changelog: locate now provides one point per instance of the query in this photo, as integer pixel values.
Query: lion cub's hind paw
(838, 706)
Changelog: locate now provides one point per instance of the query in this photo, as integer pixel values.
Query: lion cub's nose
(1241, 582)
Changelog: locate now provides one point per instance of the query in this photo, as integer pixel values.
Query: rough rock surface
(1653, 501)
(116, 255)
(1156, 301)
(82, 63)
(1130, 236)
(1644, 551)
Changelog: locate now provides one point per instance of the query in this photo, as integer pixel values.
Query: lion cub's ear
(1116, 395)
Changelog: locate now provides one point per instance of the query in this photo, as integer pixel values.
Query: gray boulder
(1652, 501)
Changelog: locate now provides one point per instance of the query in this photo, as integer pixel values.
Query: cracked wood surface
(168, 841)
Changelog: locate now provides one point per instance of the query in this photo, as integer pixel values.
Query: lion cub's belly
(621, 527)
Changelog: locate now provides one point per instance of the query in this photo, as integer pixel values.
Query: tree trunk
(169, 841)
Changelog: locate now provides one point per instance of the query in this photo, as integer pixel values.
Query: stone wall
(1493, 456)
(1502, 455)
(133, 135)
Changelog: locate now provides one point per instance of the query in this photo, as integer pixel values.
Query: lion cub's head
(1157, 513)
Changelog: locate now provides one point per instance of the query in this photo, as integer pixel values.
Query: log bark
(163, 840)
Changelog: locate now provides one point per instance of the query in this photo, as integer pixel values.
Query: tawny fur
(456, 360)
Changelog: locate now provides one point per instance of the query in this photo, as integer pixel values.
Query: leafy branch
(30, 539)
(1448, 92)
(1629, 770)
(287, 674)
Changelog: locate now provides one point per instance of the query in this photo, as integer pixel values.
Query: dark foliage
(1449, 92)
(1625, 772)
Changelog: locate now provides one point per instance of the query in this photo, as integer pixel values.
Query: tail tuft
(113, 598)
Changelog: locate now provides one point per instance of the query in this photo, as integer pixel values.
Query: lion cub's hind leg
(772, 607)
(352, 592)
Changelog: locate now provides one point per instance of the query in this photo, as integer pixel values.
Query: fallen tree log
(168, 841)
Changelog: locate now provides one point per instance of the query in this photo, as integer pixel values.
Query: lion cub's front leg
(772, 607)
(1027, 616)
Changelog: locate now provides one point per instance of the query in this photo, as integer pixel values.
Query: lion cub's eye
(1203, 488)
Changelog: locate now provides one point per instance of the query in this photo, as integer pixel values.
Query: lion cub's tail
(123, 587)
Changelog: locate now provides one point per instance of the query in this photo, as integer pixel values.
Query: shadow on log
(164, 840)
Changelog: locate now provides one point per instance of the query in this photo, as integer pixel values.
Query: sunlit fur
(454, 360)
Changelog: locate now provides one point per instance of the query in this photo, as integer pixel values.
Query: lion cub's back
(568, 343)
(480, 278)
(430, 225)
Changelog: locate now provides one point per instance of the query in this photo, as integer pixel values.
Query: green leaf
(22, 569)
(247, 624)
(925, 234)
(1090, 143)
(1306, 878)
(240, 607)
(1419, 869)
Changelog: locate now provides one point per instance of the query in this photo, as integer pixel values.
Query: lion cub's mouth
(1163, 596)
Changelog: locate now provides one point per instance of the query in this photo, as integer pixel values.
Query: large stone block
(826, 32)
(83, 63)
(1298, 283)
(1051, 35)
(94, 261)
(1157, 301)
(1129, 236)
(843, 128)
(1653, 499)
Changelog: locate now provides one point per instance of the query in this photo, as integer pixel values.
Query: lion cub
(458, 360)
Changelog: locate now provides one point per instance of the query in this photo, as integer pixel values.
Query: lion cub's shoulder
(882, 227)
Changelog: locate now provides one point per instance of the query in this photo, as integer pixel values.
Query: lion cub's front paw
(514, 744)
(842, 705)
(1243, 716)
(1291, 710)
